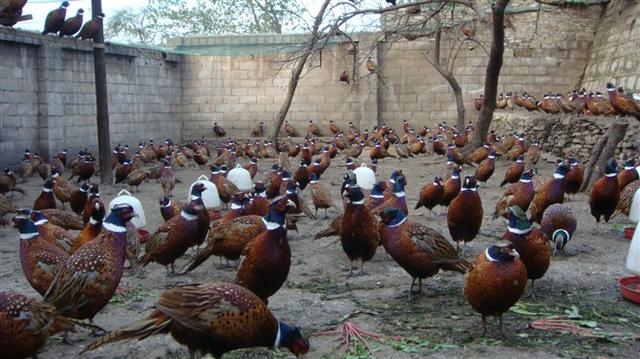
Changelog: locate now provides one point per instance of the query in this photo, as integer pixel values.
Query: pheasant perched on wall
(623, 104)
(289, 129)
(431, 194)
(420, 250)
(172, 239)
(40, 259)
(464, 216)
(530, 242)
(55, 19)
(552, 191)
(88, 280)
(558, 224)
(518, 194)
(495, 282)
(358, 233)
(267, 257)
(26, 324)
(605, 193)
(72, 25)
(213, 318)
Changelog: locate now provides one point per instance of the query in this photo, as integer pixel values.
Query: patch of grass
(125, 296)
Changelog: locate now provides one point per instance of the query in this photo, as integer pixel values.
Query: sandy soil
(438, 323)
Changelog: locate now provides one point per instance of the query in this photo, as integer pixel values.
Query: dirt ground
(438, 323)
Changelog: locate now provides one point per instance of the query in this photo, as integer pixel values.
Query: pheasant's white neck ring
(558, 176)
(56, 175)
(376, 195)
(236, 206)
(111, 227)
(263, 194)
(611, 174)
(41, 222)
(28, 235)
(399, 194)
(492, 157)
(167, 205)
(46, 190)
(474, 189)
(92, 221)
(360, 202)
(397, 224)
(277, 343)
(525, 181)
(314, 181)
(193, 198)
(271, 225)
(455, 177)
(629, 167)
(519, 231)
(187, 216)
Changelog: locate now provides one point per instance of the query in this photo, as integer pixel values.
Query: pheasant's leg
(168, 272)
(419, 285)
(484, 324)
(350, 269)
(413, 282)
(361, 268)
(500, 321)
(96, 331)
(532, 293)
(326, 215)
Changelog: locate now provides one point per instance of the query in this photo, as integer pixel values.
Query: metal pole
(104, 142)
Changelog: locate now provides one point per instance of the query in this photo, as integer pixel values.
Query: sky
(40, 8)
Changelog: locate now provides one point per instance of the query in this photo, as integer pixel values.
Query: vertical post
(104, 141)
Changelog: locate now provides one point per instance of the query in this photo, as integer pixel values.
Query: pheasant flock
(74, 250)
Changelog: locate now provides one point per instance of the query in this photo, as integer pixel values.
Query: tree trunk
(604, 150)
(491, 77)
(448, 75)
(297, 71)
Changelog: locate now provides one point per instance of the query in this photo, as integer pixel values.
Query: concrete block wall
(240, 91)
(47, 95)
(18, 100)
(615, 55)
(551, 58)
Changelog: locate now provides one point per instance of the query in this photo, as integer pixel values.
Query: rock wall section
(615, 54)
(47, 95)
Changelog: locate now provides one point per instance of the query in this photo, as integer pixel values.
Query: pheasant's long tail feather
(156, 323)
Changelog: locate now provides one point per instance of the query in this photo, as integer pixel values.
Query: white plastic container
(633, 258)
(365, 177)
(125, 197)
(241, 178)
(210, 196)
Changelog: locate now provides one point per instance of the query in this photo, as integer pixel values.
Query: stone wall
(47, 95)
(565, 135)
(549, 58)
(615, 54)
(240, 91)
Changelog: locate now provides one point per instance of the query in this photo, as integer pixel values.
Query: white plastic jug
(125, 197)
(365, 177)
(210, 196)
(241, 178)
(633, 258)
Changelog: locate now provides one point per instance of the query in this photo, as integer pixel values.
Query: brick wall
(616, 50)
(47, 95)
